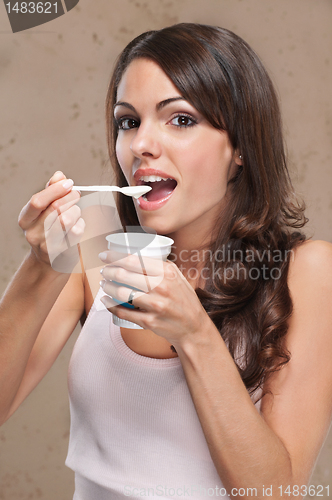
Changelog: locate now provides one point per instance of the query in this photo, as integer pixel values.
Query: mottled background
(53, 83)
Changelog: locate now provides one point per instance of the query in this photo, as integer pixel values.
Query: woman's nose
(146, 142)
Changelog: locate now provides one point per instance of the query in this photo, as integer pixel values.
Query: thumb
(57, 176)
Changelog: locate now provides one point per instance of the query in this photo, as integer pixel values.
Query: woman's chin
(159, 226)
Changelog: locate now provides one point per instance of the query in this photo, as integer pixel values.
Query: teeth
(153, 178)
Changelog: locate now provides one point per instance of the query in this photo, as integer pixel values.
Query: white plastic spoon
(134, 191)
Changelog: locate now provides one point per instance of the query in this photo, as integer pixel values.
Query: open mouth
(161, 187)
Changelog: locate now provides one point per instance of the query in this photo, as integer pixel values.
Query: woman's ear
(235, 167)
(238, 158)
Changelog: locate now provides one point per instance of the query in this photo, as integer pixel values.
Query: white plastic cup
(142, 244)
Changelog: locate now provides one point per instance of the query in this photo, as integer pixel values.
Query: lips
(162, 186)
(145, 172)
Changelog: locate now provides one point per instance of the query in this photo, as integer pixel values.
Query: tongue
(160, 189)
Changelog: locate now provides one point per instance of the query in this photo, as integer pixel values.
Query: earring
(240, 156)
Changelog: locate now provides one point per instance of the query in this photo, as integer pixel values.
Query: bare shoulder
(311, 265)
(310, 287)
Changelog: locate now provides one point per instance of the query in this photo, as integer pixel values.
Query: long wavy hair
(246, 292)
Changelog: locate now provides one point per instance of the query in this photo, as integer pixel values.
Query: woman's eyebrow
(159, 106)
(164, 103)
(124, 104)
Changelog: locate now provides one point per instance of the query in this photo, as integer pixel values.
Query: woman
(226, 390)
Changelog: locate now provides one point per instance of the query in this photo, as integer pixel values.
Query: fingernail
(68, 183)
(103, 300)
(101, 271)
(103, 255)
(101, 283)
(107, 301)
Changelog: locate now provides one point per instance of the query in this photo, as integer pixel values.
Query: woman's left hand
(167, 304)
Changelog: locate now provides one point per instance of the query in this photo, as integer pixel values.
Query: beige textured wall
(53, 81)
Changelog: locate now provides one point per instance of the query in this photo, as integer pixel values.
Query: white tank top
(134, 428)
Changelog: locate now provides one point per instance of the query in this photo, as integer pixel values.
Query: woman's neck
(190, 257)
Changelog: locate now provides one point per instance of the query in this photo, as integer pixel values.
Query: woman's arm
(246, 450)
(301, 409)
(32, 349)
(251, 450)
(26, 305)
(280, 446)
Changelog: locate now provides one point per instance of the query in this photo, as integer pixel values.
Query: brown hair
(222, 77)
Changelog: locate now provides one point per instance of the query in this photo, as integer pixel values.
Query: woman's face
(161, 136)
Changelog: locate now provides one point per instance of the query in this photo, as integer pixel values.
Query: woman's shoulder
(310, 281)
(312, 260)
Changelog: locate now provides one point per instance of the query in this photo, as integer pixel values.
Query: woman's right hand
(52, 223)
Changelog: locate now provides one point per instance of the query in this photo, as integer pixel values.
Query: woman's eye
(183, 121)
(126, 123)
